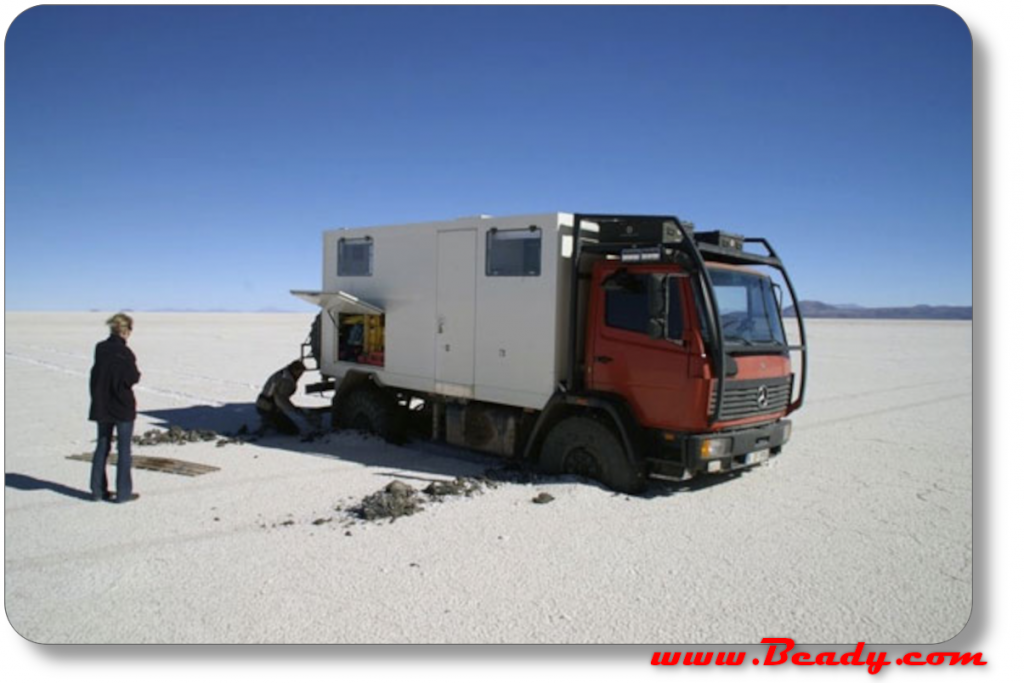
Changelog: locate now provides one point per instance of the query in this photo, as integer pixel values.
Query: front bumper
(679, 456)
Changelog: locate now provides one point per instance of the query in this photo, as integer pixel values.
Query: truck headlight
(786, 429)
(713, 448)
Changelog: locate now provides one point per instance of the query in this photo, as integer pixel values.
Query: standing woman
(113, 404)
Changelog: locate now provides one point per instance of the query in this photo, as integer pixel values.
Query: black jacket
(111, 380)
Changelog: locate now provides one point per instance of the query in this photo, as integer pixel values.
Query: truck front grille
(750, 398)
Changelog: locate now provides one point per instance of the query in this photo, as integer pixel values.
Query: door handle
(604, 359)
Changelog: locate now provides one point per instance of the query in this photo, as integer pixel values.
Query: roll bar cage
(639, 233)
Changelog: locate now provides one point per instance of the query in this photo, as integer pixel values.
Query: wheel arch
(609, 406)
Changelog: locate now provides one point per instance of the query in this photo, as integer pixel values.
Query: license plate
(757, 457)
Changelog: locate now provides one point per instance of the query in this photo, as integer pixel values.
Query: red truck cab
(666, 321)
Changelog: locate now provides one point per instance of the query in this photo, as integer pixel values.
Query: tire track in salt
(882, 411)
(149, 370)
(180, 396)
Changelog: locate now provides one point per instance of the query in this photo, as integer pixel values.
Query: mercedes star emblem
(762, 397)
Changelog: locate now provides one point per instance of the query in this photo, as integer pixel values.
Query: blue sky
(190, 157)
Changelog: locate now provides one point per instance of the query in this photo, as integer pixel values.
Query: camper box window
(513, 252)
(355, 256)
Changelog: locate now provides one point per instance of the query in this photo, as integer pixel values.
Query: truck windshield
(747, 307)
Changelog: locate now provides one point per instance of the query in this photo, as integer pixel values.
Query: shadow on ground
(226, 419)
(660, 488)
(419, 455)
(350, 446)
(23, 482)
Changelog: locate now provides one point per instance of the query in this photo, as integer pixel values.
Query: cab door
(622, 358)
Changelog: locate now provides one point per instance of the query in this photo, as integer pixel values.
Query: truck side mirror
(778, 295)
(656, 323)
(617, 281)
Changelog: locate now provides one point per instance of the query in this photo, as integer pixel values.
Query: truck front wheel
(588, 448)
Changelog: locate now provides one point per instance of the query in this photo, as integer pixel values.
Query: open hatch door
(342, 302)
(358, 327)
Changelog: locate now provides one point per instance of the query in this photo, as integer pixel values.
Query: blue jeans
(104, 435)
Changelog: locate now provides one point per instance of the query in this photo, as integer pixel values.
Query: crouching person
(274, 403)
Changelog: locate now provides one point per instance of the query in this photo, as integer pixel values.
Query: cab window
(625, 305)
(625, 310)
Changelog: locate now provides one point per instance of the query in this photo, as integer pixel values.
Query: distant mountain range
(817, 309)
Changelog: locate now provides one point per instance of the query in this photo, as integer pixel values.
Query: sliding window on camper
(513, 253)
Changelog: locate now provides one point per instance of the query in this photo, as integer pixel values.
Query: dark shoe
(106, 495)
(129, 499)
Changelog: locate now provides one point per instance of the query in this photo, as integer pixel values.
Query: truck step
(668, 470)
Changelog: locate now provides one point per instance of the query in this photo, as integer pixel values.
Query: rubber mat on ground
(145, 462)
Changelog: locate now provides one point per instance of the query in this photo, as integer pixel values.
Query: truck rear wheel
(588, 448)
(373, 411)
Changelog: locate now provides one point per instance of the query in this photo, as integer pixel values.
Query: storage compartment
(482, 426)
(361, 339)
(359, 326)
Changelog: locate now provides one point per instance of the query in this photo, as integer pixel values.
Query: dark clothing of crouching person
(274, 403)
(113, 406)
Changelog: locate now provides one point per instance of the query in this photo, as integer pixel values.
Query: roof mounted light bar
(642, 255)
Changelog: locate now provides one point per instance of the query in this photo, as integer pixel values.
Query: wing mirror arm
(656, 306)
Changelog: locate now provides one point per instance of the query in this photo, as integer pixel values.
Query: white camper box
(469, 311)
